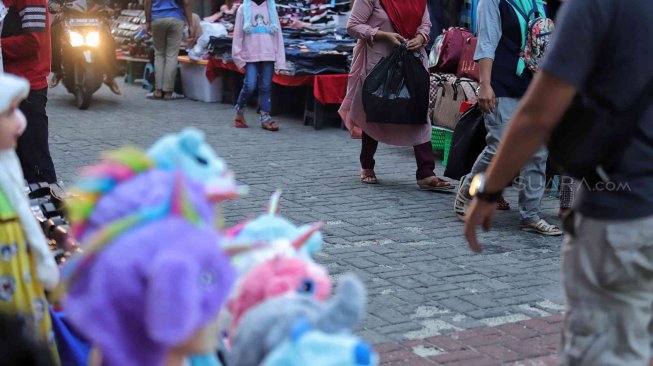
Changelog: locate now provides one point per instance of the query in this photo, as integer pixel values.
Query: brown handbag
(467, 68)
(450, 93)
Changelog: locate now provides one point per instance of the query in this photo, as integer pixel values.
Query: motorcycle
(83, 52)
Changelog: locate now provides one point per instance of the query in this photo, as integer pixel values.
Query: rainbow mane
(98, 180)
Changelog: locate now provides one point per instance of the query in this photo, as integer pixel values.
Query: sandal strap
(543, 226)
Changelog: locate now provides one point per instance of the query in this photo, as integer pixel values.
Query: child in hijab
(257, 45)
(27, 266)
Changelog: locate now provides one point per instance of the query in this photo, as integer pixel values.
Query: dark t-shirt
(605, 48)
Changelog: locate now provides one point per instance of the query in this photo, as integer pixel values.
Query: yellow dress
(21, 293)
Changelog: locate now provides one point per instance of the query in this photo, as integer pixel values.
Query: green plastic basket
(441, 141)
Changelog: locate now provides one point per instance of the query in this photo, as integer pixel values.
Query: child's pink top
(258, 45)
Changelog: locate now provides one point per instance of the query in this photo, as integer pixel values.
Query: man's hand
(487, 100)
(392, 38)
(480, 213)
(416, 43)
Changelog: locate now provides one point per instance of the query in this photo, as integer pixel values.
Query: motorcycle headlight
(76, 39)
(93, 39)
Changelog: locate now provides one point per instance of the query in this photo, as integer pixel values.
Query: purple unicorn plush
(152, 279)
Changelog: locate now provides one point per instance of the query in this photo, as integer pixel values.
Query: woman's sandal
(503, 205)
(240, 122)
(542, 227)
(154, 95)
(173, 96)
(434, 184)
(368, 176)
(270, 126)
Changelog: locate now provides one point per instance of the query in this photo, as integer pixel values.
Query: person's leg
(173, 42)
(425, 160)
(249, 87)
(368, 149)
(110, 68)
(532, 183)
(495, 123)
(33, 149)
(607, 271)
(426, 179)
(55, 37)
(266, 73)
(159, 35)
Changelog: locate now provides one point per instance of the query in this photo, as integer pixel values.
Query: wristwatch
(477, 190)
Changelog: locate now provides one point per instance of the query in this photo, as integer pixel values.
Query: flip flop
(174, 96)
(434, 184)
(368, 176)
(153, 96)
(240, 122)
(270, 126)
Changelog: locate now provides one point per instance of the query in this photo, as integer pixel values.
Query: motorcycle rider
(55, 7)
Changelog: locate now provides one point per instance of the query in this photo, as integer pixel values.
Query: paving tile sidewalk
(406, 244)
(532, 342)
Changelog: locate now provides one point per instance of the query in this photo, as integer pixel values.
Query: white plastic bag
(208, 30)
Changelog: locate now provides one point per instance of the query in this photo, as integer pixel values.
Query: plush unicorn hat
(272, 235)
(307, 346)
(269, 324)
(152, 273)
(189, 152)
(276, 277)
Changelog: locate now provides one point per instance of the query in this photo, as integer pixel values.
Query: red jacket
(26, 41)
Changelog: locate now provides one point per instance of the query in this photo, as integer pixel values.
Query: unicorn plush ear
(172, 311)
(190, 140)
(273, 205)
(310, 238)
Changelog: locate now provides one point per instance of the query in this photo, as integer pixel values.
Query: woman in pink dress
(380, 26)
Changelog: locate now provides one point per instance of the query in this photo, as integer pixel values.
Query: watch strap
(491, 197)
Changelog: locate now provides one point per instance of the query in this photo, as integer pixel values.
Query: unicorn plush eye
(201, 160)
(207, 279)
(307, 286)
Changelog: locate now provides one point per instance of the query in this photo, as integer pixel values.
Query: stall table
(132, 64)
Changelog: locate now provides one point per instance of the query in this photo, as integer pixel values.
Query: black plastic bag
(396, 91)
(467, 143)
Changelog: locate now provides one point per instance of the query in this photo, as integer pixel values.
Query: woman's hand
(392, 38)
(416, 43)
(487, 100)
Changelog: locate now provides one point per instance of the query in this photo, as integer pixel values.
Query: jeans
(532, 178)
(423, 156)
(33, 149)
(257, 74)
(167, 34)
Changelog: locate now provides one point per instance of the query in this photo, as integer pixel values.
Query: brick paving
(423, 281)
(532, 342)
